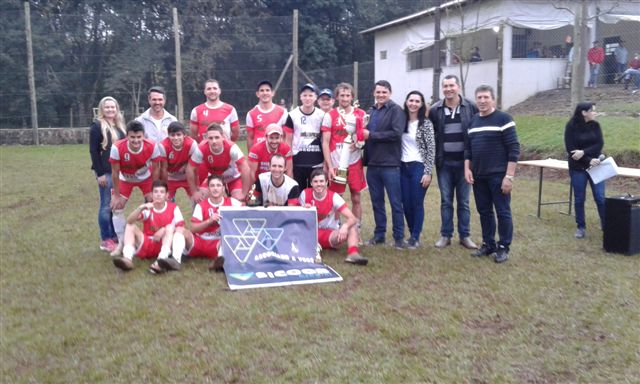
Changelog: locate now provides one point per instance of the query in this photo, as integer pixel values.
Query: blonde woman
(107, 129)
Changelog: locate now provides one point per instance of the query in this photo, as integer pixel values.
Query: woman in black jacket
(107, 129)
(583, 141)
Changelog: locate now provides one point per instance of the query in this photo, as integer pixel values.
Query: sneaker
(108, 246)
(442, 242)
(156, 269)
(580, 233)
(468, 243)
(375, 241)
(356, 259)
(169, 264)
(122, 263)
(484, 250)
(400, 244)
(217, 265)
(117, 251)
(412, 243)
(501, 255)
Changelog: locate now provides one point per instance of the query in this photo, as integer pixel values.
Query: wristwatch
(509, 177)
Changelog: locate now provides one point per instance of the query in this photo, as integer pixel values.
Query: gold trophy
(349, 123)
(251, 199)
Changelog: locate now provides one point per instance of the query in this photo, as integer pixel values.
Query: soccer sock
(119, 222)
(178, 246)
(352, 250)
(128, 251)
(164, 252)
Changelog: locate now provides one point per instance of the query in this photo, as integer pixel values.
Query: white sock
(164, 252)
(128, 251)
(119, 223)
(178, 246)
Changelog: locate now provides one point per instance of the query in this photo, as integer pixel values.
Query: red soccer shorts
(126, 187)
(355, 178)
(175, 185)
(324, 238)
(204, 248)
(149, 248)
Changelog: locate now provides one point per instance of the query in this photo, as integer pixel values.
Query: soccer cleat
(156, 269)
(356, 259)
(169, 264)
(123, 263)
(442, 242)
(484, 250)
(217, 264)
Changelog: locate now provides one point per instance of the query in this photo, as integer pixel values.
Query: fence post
(32, 81)
(294, 73)
(176, 35)
(355, 80)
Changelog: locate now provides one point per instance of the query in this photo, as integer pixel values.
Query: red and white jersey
(204, 210)
(285, 194)
(202, 116)
(326, 208)
(226, 163)
(335, 123)
(260, 154)
(258, 120)
(135, 167)
(154, 220)
(177, 159)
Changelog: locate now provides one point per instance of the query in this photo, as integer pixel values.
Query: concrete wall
(47, 136)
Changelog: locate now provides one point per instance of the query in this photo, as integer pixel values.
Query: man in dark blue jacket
(382, 154)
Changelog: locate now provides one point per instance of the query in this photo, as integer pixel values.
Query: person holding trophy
(342, 140)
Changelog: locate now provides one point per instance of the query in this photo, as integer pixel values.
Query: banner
(271, 247)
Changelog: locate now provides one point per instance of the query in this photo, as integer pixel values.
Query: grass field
(560, 310)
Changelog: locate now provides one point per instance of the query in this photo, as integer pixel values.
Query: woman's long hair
(105, 127)
(422, 112)
(577, 120)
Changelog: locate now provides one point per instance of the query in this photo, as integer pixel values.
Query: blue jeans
(104, 212)
(594, 71)
(379, 179)
(579, 179)
(450, 180)
(488, 194)
(413, 196)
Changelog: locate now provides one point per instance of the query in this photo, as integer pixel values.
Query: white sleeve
(197, 212)
(177, 216)
(249, 120)
(233, 116)
(197, 156)
(301, 199)
(115, 154)
(283, 119)
(236, 153)
(194, 116)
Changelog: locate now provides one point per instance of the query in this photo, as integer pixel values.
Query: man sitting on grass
(160, 219)
(327, 203)
(203, 240)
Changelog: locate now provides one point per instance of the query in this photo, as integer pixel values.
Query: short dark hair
(342, 86)
(264, 82)
(454, 77)
(215, 127)
(175, 127)
(279, 156)
(156, 88)
(317, 172)
(211, 81)
(485, 88)
(383, 83)
(160, 183)
(135, 126)
(212, 177)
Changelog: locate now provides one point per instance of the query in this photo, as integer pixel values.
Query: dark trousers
(488, 194)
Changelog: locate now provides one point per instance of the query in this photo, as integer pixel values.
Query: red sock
(352, 250)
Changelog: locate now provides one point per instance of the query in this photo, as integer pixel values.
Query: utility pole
(435, 91)
(579, 54)
(355, 80)
(176, 36)
(294, 73)
(32, 80)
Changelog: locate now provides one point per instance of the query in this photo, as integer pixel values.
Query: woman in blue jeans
(107, 129)
(418, 154)
(583, 141)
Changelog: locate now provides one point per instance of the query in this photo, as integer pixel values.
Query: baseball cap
(273, 128)
(310, 87)
(327, 92)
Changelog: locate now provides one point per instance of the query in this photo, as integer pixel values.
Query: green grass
(560, 310)
(545, 134)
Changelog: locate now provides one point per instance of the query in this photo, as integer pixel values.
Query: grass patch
(560, 310)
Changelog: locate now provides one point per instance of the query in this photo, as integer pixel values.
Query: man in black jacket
(382, 154)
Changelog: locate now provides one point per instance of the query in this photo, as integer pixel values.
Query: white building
(527, 28)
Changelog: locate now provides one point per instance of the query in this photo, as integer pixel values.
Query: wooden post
(294, 74)
(500, 67)
(32, 80)
(437, 70)
(71, 117)
(355, 80)
(578, 71)
(176, 36)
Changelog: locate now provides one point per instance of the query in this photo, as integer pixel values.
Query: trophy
(349, 122)
(251, 199)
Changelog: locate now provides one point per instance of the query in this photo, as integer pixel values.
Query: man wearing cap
(595, 56)
(334, 132)
(325, 99)
(156, 119)
(263, 114)
(303, 135)
(261, 153)
(214, 110)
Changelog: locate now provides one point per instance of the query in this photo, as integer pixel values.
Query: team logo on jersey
(127, 157)
(172, 155)
(205, 113)
(210, 159)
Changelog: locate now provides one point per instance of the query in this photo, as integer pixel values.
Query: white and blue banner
(271, 247)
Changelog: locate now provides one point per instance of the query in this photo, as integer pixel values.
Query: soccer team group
(306, 157)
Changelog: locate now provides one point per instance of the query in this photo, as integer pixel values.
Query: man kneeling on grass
(203, 240)
(160, 218)
(327, 203)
